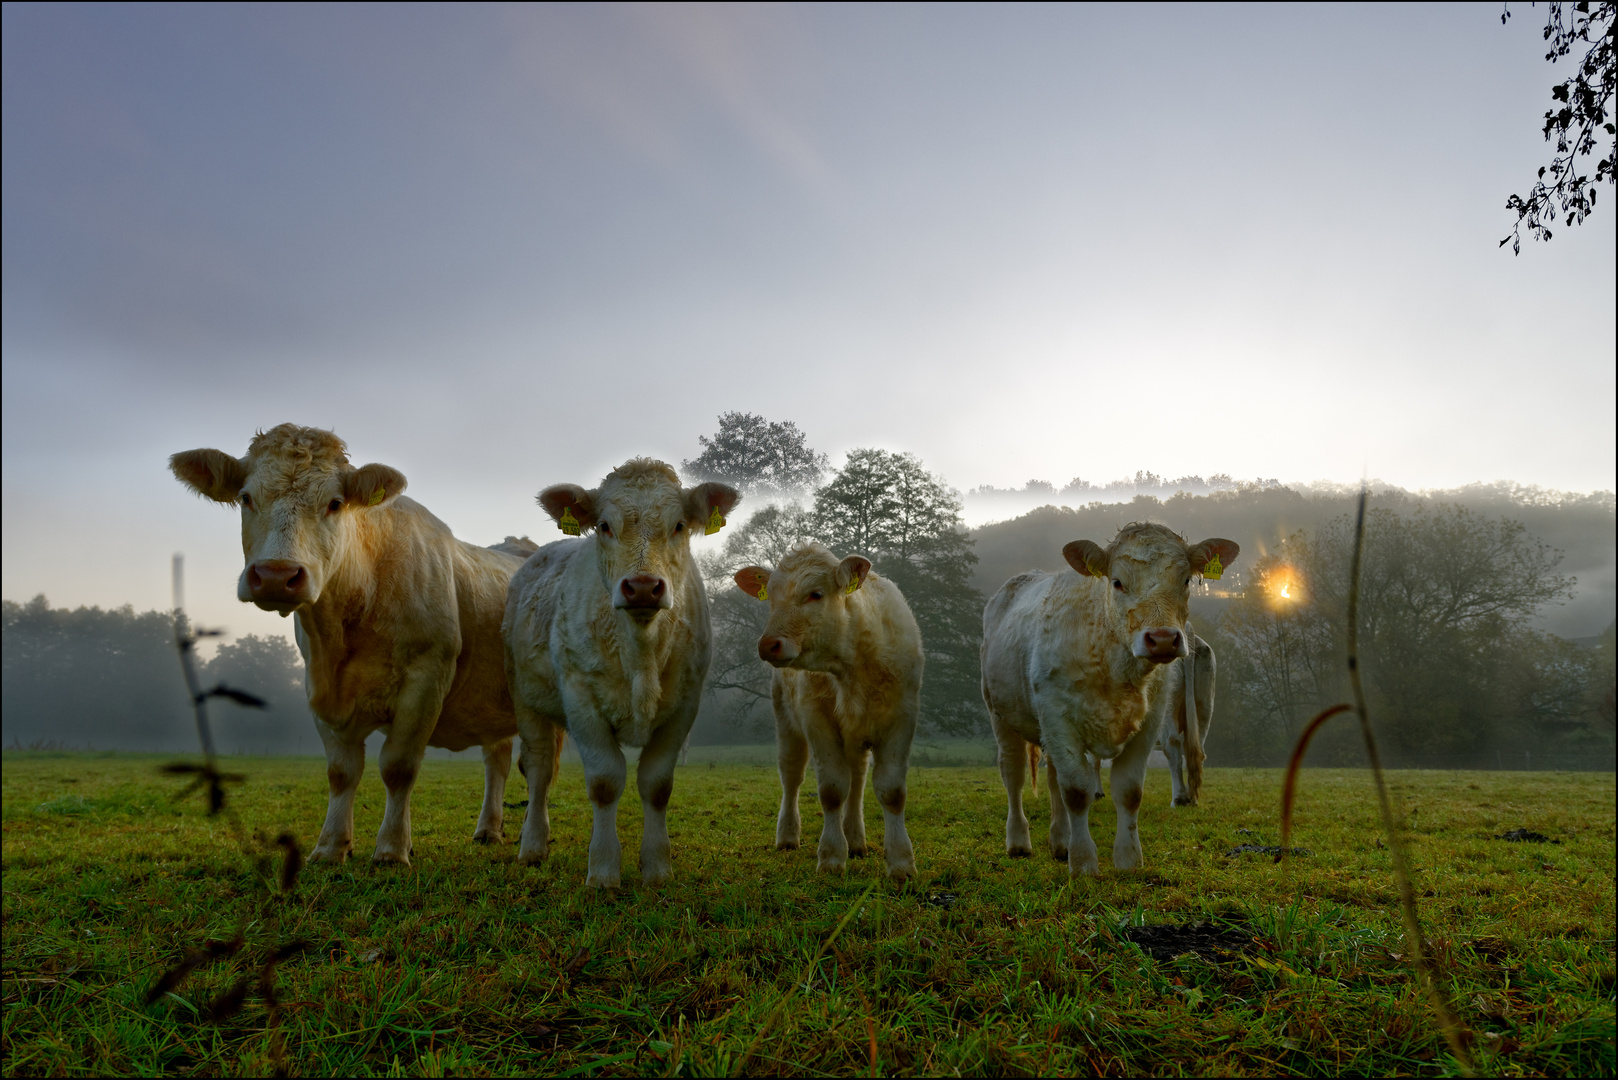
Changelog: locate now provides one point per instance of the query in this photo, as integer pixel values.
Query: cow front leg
(345, 762)
(889, 776)
(604, 777)
(1061, 830)
(1012, 754)
(496, 768)
(654, 776)
(1172, 750)
(854, 809)
(1073, 784)
(1128, 787)
(792, 755)
(541, 745)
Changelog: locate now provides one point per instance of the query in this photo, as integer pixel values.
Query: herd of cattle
(605, 636)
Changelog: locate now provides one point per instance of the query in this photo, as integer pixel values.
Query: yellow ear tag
(1213, 569)
(715, 523)
(567, 522)
(377, 496)
(853, 583)
(763, 593)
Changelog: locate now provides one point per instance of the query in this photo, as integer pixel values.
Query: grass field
(466, 963)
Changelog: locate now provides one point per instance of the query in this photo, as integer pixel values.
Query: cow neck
(350, 588)
(642, 652)
(844, 661)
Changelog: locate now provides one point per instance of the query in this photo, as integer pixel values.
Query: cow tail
(1193, 727)
(556, 762)
(1033, 769)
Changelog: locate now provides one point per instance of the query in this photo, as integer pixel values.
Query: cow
(608, 636)
(397, 620)
(1075, 662)
(846, 688)
(1186, 717)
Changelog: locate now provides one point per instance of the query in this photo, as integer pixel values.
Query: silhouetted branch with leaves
(1579, 118)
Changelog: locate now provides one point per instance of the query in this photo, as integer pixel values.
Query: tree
(759, 457)
(1575, 123)
(889, 508)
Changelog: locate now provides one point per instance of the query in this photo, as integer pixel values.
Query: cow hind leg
(854, 809)
(1174, 751)
(1128, 786)
(491, 828)
(1061, 833)
(792, 755)
(1013, 760)
(345, 762)
(604, 775)
(538, 767)
(401, 764)
(892, 763)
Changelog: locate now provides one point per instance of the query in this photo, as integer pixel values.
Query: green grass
(466, 963)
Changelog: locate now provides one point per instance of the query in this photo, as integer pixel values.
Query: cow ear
(752, 581)
(707, 505)
(212, 474)
(1210, 557)
(572, 507)
(1087, 557)
(372, 485)
(851, 573)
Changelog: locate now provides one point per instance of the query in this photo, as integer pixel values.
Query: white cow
(847, 685)
(608, 636)
(1186, 717)
(1073, 662)
(398, 622)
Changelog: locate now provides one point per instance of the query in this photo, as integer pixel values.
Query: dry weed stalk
(1453, 1032)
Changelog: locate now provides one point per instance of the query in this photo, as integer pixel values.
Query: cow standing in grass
(1075, 662)
(398, 622)
(1187, 713)
(608, 636)
(847, 686)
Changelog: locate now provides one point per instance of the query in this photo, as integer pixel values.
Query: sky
(503, 247)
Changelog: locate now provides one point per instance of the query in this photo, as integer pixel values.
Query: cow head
(643, 520)
(808, 594)
(301, 502)
(1147, 571)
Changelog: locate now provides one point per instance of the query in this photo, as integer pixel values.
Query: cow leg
(892, 763)
(496, 767)
(541, 745)
(1073, 783)
(854, 808)
(1013, 759)
(1173, 751)
(1128, 784)
(832, 778)
(604, 775)
(655, 778)
(792, 754)
(1061, 827)
(345, 762)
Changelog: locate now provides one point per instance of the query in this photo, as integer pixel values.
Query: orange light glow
(1286, 589)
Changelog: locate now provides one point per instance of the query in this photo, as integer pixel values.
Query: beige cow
(1187, 714)
(608, 636)
(847, 685)
(1075, 662)
(398, 622)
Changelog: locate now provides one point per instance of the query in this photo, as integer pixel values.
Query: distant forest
(1459, 591)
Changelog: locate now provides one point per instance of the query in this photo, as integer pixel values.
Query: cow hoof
(1185, 800)
(488, 837)
(1019, 851)
(656, 877)
(1085, 869)
(831, 866)
(857, 851)
(786, 845)
(601, 881)
(901, 873)
(1059, 853)
(390, 858)
(533, 856)
(335, 855)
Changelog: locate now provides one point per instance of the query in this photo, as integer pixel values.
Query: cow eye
(334, 506)
(604, 529)
(1117, 584)
(816, 595)
(247, 500)
(679, 526)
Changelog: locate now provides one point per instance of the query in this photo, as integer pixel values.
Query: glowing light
(1286, 590)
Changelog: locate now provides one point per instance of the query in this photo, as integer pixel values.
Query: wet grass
(466, 963)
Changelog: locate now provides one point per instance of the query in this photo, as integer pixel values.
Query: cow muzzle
(642, 596)
(1160, 644)
(277, 584)
(778, 651)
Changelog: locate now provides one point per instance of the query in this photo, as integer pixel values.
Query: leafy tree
(889, 508)
(759, 457)
(1575, 123)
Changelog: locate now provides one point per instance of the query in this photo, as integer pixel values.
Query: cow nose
(277, 580)
(1162, 644)
(643, 591)
(777, 650)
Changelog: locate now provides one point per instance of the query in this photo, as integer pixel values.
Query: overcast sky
(499, 248)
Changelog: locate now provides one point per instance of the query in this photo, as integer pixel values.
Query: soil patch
(1206, 940)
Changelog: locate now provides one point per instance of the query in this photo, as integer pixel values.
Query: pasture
(468, 964)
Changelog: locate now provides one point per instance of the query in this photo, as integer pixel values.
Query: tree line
(1458, 675)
